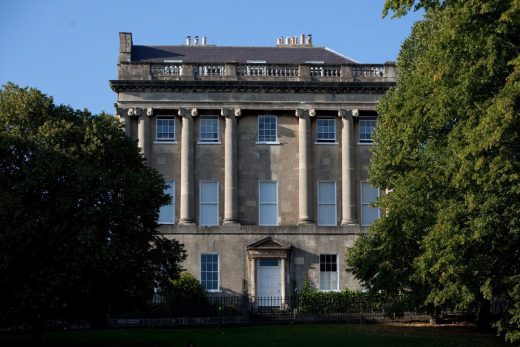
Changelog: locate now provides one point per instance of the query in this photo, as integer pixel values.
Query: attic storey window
(209, 129)
(165, 129)
(326, 132)
(366, 129)
(267, 129)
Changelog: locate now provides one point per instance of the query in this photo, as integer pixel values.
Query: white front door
(269, 282)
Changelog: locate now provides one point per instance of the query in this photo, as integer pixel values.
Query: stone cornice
(250, 86)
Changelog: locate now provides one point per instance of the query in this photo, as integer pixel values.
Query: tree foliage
(447, 147)
(78, 210)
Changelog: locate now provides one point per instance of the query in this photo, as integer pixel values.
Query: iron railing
(243, 308)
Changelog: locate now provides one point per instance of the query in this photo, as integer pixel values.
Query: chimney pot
(279, 41)
(287, 40)
(295, 40)
(195, 40)
(203, 40)
(188, 40)
(302, 39)
(309, 39)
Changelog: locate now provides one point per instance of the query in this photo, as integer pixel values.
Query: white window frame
(218, 272)
(259, 141)
(209, 203)
(325, 141)
(205, 140)
(337, 273)
(172, 203)
(164, 140)
(365, 119)
(260, 203)
(335, 203)
(367, 203)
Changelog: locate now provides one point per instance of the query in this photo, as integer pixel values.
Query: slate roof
(216, 54)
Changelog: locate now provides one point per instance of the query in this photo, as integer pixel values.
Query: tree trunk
(483, 314)
(36, 333)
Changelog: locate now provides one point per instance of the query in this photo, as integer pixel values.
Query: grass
(280, 335)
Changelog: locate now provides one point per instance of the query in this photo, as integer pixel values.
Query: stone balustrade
(256, 72)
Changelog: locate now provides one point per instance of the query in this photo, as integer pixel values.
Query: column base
(349, 223)
(305, 221)
(230, 222)
(186, 221)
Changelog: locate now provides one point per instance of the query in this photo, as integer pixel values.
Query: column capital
(185, 112)
(300, 112)
(229, 112)
(134, 112)
(225, 112)
(149, 112)
(342, 113)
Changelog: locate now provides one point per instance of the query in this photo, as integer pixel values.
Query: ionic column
(348, 196)
(304, 166)
(230, 166)
(187, 188)
(143, 132)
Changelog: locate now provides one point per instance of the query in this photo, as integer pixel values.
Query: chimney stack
(188, 40)
(204, 40)
(309, 39)
(125, 46)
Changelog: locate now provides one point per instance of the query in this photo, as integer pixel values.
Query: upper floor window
(366, 128)
(328, 272)
(209, 271)
(327, 203)
(369, 194)
(208, 129)
(267, 131)
(326, 130)
(268, 203)
(167, 212)
(165, 129)
(208, 209)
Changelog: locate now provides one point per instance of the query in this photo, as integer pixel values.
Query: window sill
(365, 143)
(166, 223)
(214, 291)
(329, 290)
(165, 142)
(268, 143)
(327, 225)
(209, 143)
(325, 143)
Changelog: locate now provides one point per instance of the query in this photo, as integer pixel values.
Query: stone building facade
(264, 150)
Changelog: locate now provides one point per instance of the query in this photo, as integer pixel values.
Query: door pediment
(269, 247)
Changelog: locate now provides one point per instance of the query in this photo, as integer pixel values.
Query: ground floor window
(328, 272)
(209, 271)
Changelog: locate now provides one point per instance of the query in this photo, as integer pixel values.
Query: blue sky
(68, 48)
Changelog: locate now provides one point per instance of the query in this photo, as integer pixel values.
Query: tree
(446, 146)
(78, 210)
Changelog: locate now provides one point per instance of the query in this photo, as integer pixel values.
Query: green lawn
(317, 335)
